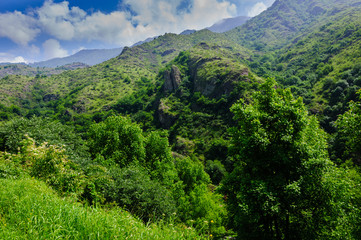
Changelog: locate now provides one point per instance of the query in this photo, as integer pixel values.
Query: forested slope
(199, 131)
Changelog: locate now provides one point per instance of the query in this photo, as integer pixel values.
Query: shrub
(50, 164)
(133, 189)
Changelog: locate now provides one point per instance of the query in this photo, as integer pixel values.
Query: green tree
(117, 140)
(348, 138)
(278, 188)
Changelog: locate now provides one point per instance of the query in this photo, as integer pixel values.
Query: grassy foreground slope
(31, 210)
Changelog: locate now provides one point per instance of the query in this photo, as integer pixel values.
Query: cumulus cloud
(206, 12)
(143, 19)
(18, 27)
(257, 9)
(58, 20)
(153, 17)
(9, 58)
(52, 49)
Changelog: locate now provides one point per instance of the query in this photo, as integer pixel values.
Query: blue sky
(34, 30)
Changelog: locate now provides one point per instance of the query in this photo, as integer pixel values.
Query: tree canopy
(278, 188)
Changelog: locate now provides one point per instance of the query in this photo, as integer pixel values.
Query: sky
(37, 30)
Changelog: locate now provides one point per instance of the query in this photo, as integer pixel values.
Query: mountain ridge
(227, 24)
(86, 56)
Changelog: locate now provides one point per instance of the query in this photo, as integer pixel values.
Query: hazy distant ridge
(227, 24)
(89, 57)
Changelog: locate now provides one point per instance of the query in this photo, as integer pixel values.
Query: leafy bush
(197, 205)
(50, 164)
(191, 173)
(10, 166)
(42, 130)
(116, 140)
(133, 189)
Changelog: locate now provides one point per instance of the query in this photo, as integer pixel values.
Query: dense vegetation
(244, 134)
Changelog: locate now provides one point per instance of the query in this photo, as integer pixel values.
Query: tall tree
(278, 188)
(348, 138)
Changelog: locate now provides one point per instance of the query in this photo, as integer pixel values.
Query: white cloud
(206, 12)
(153, 17)
(58, 20)
(257, 9)
(18, 27)
(111, 28)
(9, 58)
(33, 50)
(52, 49)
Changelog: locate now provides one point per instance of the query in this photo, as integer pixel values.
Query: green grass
(31, 210)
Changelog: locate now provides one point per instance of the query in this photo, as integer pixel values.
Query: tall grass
(31, 210)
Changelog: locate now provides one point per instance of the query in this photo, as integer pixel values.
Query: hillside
(97, 88)
(321, 64)
(49, 216)
(285, 20)
(252, 133)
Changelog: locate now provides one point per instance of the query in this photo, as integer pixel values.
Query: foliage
(197, 205)
(48, 163)
(119, 141)
(116, 140)
(158, 158)
(216, 171)
(348, 135)
(41, 130)
(51, 164)
(280, 186)
(133, 189)
(149, 184)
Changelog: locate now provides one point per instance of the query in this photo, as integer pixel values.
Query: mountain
(187, 32)
(321, 63)
(145, 41)
(97, 88)
(287, 26)
(282, 26)
(179, 88)
(87, 56)
(286, 19)
(227, 24)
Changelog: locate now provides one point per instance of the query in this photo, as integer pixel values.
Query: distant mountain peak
(85, 56)
(187, 32)
(227, 24)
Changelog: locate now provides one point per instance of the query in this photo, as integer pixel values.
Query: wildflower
(212, 221)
